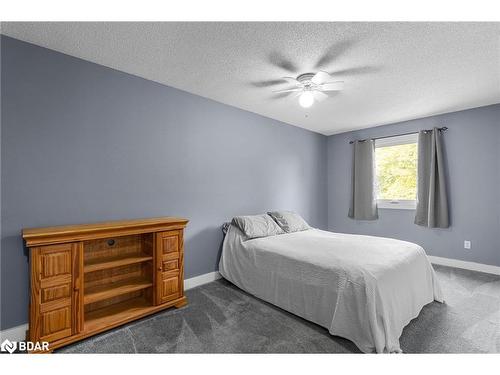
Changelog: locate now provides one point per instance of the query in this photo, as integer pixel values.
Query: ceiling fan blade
(267, 83)
(357, 70)
(287, 94)
(331, 86)
(292, 80)
(296, 89)
(321, 77)
(282, 62)
(319, 96)
(281, 95)
(334, 52)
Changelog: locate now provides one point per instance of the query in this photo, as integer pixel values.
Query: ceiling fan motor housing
(305, 79)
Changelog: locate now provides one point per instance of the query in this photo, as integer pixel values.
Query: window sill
(397, 205)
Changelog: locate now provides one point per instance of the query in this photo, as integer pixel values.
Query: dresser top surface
(32, 234)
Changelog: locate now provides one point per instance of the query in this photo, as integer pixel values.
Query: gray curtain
(363, 199)
(432, 200)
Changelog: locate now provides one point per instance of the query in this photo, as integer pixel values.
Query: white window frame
(397, 204)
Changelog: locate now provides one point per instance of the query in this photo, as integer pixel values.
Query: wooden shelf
(111, 262)
(102, 292)
(115, 314)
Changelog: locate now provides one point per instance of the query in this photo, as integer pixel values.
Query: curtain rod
(443, 129)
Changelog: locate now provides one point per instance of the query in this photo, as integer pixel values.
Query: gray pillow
(255, 226)
(289, 221)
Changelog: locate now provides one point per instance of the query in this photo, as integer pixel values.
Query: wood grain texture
(52, 294)
(93, 277)
(132, 245)
(90, 307)
(171, 265)
(116, 313)
(168, 280)
(35, 296)
(116, 261)
(56, 292)
(102, 292)
(78, 289)
(105, 320)
(82, 232)
(56, 323)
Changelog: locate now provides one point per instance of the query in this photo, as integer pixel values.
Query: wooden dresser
(89, 278)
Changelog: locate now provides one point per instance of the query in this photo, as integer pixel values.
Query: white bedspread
(363, 288)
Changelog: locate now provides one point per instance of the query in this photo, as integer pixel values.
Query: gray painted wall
(84, 143)
(473, 156)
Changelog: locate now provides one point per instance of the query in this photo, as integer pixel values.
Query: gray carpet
(220, 318)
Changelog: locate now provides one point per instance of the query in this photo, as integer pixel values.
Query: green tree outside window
(396, 169)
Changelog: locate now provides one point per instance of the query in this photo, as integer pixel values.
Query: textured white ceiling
(393, 71)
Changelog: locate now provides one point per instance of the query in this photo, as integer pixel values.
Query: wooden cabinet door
(57, 288)
(169, 255)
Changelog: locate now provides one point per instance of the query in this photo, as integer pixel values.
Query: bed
(363, 288)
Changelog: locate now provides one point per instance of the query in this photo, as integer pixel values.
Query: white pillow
(289, 221)
(255, 226)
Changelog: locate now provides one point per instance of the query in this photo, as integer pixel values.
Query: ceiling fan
(312, 86)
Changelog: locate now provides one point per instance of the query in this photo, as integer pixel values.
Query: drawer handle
(160, 268)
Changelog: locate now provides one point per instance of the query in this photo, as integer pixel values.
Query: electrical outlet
(467, 245)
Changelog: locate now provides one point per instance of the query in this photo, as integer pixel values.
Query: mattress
(363, 288)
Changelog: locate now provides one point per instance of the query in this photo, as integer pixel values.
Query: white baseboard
(472, 266)
(18, 333)
(200, 280)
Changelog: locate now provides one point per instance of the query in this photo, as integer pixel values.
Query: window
(396, 161)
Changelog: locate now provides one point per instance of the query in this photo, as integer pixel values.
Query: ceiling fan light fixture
(311, 87)
(306, 99)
